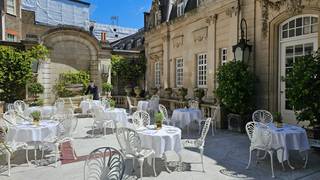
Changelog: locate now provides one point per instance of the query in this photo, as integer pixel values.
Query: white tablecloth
(289, 137)
(46, 111)
(185, 116)
(47, 130)
(117, 114)
(88, 104)
(143, 105)
(162, 140)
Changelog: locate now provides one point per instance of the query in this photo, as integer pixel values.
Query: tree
(236, 87)
(16, 71)
(303, 88)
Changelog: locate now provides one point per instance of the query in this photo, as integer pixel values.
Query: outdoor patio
(226, 157)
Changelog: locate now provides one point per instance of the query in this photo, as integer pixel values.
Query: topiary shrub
(35, 88)
(236, 87)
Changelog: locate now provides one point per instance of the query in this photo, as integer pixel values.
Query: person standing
(93, 89)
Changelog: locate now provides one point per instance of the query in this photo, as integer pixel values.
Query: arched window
(298, 26)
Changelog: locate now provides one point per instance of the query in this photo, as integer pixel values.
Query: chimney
(103, 36)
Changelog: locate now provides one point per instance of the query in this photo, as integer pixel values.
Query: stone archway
(71, 49)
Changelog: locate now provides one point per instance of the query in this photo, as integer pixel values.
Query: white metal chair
(59, 104)
(104, 163)
(99, 120)
(7, 148)
(140, 119)
(263, 144)
(167, 120)
(214, 120)
(10, 106)
(66, 130)
(10, 117)
(198, 143)
(262, 116)
(131, 107)
(193, 104)
(105, 103)
(20, 106)
(130, 144)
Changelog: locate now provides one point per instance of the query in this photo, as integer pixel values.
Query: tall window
(11, 37)
(223, 55)
(202, 70)
(157, 74)
(179, 72)
(11, 7)
(180, 9)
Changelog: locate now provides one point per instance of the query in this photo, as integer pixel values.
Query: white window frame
(13, 5)
(305, 28)
(180, 9)
(157, 74)
(202, 63)
(223, 55)
(12, 38)
(179, 72)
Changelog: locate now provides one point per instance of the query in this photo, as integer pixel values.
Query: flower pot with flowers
(107, 88)
(112, 103)
(137, 91)
(182, 93)
(128, 90)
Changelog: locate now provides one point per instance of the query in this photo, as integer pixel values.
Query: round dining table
(27, 132)
(86, 105)
(184, 116)
(117, 114)
(46, 111)
(289, 137)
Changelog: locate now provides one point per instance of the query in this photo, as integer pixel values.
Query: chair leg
(271, 157)
(201, 153)
(199, 124)
(249, 162)
(141, 160)
(9, 163)
(133, 164)
(92, 133)
(306, 161)
(57, 154)
(27, 156)
(154, 165)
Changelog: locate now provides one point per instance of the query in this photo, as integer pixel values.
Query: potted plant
(35, 88)
(36, 115)
(158, 119)
(137, 91)
(112, 103)
(167, 92)
(304, 92)
(128, 90)
(37, 102)
(153, 90)
(235, 92)
(277, 118)
(199, 94)
(107, 88)
(182, 93)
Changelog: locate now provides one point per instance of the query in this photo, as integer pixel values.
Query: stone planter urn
(183, 93)
(167, 93)
(199, 94)
(153, 91)
(128, 90)
(137, 91)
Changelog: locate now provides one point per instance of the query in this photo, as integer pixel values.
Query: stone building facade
(10, 25)
(186, 41)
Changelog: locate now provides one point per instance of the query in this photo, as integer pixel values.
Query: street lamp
(242, 50)
(35, 66)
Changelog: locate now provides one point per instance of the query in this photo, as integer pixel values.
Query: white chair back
(20, 106)
(10, 118)
(129, 141)
(262, 116)
(140, 119)
(105, 163)
(98, 113)
(105, 103)
(163, 111)
(59, 104)
(250, 129)
(69, 124)
(193, 104)
(10, 106)
(204, 131)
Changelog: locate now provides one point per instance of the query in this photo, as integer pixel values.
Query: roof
(81, 2)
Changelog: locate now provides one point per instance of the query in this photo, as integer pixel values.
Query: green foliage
(128, 70)
(236, 87)
(112, 103)
(16, 71)
(158, 117)
(199, 93)
(107, 87)
(37, 102)
(183, 92)
(303, 92)
(277, 117)
(35, 88)
(36, 115)
(69, 78)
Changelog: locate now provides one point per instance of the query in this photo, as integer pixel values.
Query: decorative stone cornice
(177, 41)
(200, 34)
(212, 19)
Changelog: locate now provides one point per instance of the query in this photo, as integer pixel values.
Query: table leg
(166, 163)
(289, 164)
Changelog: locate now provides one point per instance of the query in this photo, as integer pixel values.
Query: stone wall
(13, 22)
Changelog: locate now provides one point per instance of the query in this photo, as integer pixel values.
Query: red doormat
(66, 156)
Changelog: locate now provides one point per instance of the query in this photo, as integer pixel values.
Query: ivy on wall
(16, 71)
(68, 79)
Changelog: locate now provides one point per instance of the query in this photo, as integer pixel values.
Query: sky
(130, 12)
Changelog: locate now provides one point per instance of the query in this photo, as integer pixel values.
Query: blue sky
(130, 12)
